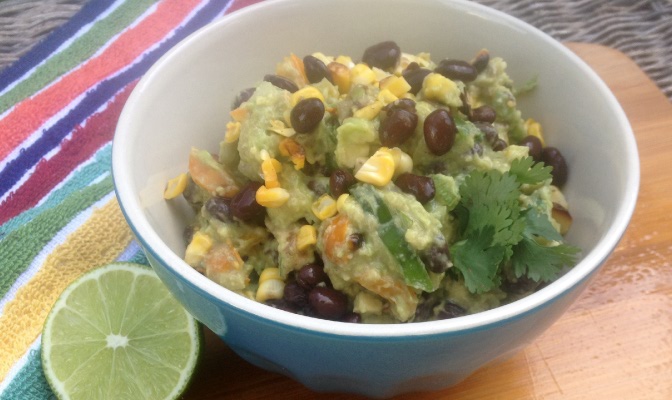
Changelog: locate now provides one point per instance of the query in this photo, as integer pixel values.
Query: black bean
(242, 97)
(465, 108)
(488, 130)
(316, 70)
(415, 77)
(522, 285)
(340, 181)
(440, 131)
(436, 259)
(244, 204)
(328, 303)
(451, 310)
(422, 187)
(397, 127)
(295, 294)
(188, 234)
(220, 208)
(411, 66)
(481, 61)
(477, 149)
(456, 70)
(499, 144)
(483, 114)
(281, 82)
(534, 145)
(384, 55)
(552, 156)
(425, 309)
(404, 104)
(317, 187)
(307, 114)
(281, 304)
(352, 318)
(355, 241)
(311, 275)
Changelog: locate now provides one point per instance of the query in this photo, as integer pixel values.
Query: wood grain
(614, 343)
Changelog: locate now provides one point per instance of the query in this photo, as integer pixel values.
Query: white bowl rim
(150, 240)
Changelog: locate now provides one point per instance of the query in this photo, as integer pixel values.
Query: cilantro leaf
(537, 261)
(527, 171)
(478, 260)
(541, 262)
(492, 200)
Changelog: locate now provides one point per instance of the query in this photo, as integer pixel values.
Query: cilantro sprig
(495, 229)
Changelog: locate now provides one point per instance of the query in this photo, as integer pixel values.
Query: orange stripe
(30, 114)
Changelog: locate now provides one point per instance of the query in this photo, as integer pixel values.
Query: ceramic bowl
(184, 99)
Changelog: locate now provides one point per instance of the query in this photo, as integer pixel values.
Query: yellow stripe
(98, 241)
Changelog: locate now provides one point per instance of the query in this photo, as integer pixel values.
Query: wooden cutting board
(615, 342)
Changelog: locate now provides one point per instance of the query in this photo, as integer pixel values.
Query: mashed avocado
(395, 189)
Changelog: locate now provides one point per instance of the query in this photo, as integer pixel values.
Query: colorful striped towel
(59, 106)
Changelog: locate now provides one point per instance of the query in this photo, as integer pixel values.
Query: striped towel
(59, 106)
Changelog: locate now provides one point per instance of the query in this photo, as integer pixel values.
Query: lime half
(118, 333)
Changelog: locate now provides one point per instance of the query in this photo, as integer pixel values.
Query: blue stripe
(30, 382)
(100, 95)
(44, 49)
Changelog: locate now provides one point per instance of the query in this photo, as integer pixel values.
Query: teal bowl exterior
(182, 102)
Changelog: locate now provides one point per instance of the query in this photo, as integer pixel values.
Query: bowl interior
(183, 101)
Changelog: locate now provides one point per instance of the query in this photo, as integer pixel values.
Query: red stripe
(32, 113)
(238, 4)
(86, 140)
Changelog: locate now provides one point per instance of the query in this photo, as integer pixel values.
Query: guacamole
(388, 190)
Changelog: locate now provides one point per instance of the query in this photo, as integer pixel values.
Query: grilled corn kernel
(270, 290)
(439, 88)
(306, 93)
(395, 84)
(270, 174)
(403, 163)
(239, 114)
(363, 75)
(270, 273)
(175, 186)
(281, 128)
(271, 197)
(232, 132)
(340, 201)
(325, 59)
(197, 249)
(386, 97)
(378, 169)
(341, 75)
(292, 149)
(533, 128)
(369, 112)
(324, 207)
(345, 60)
(306, 237)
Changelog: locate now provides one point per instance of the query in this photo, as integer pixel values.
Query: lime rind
(117, 332)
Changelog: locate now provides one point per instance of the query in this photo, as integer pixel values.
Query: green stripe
(29, 383)
(81, 49)
(20, 247)
(80, 179)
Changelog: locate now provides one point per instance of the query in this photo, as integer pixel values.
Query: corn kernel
(378, 169)
(403, 163)
(439, 88)
(345, 60)
(363, 75)
(386, 97)
(369, 112)
(533, 128)
(306, 237)
(271, 197)
(395, 84)
(270, 174)
(306, 93)
(175, 187)
(270, 290)
(239, 114)
(341, 75)
(325, 59)
(341, 201)
(197, 249)
(232, 132)
(368, 303)
(380, 74)
(324, 207)
(292, 149)
(281, 128)
(270, 273)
